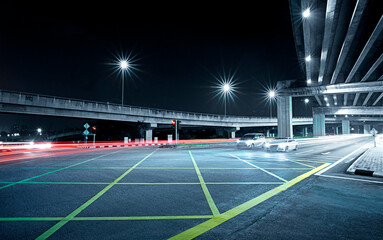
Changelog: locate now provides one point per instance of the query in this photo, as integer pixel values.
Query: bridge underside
(340, 51)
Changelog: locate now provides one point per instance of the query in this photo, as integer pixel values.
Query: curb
(361, 171)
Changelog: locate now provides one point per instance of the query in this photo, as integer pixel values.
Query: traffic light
(174, 122)
(94, 128)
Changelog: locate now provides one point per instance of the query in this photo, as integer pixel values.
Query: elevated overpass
(36, 104)
(43, 105)
(339, 46)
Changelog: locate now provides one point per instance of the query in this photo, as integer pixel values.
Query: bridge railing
(33, 99)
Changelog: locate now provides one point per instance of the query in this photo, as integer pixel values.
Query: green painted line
(244, 183)
(28, 219)
(300, 163)
(140, 218)
(166, 168)
(62, 183)
(41, 219)
(272, 174)
(148, 183)
(27, 179)
(73, 214)
(310, 161)
(217, 220)
(205, 190)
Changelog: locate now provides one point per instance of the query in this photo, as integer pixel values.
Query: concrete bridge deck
(36, 104)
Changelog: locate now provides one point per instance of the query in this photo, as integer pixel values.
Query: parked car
(251, 141)
(281, 144)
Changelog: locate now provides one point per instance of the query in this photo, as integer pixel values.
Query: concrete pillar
(305, 131)
(268, 133)
(149, 135)
(319, 125)
(345, 126)
(149, 131)
(232, 132)
(336, 130)
(366, 129)
(285, 116)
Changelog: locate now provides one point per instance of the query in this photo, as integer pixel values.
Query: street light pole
(124, 65)
(122, 89)
(271, 96)
(226, 88)
(225, 103)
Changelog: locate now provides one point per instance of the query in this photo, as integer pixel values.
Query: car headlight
(267, 145)
(237, 141)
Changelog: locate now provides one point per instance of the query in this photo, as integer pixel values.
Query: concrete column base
(345, 126)
(285, 116)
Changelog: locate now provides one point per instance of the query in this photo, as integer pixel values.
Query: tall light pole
(271, 95)
(226, 88)
(124, 66)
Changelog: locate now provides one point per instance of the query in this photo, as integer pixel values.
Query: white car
(281, 144)
(251, 140)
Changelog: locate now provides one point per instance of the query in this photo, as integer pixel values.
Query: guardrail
(47, 101)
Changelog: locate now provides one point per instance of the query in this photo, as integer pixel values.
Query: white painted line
(304, 152)
(272, 174)
(353, 179)
(340, 160)
(325, 153)
(349, 160)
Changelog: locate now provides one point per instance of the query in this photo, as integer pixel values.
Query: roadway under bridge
(339, 46)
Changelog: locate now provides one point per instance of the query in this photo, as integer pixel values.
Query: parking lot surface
(207, 193)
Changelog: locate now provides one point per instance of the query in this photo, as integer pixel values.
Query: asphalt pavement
(202, 193)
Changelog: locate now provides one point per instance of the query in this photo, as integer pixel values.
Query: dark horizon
(64, 52)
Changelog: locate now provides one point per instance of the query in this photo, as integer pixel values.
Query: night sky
(63, 50)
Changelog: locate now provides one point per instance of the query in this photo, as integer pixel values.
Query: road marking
(303, 164)
(272, 174)
(63, 168)
(209, 199)
(217, 220)
(149, 183)
(23, 219)
(353, 179)
(340, 160)
(349, 160)
(73, 214)
(304, 152)
(325, 153)
(313, 161)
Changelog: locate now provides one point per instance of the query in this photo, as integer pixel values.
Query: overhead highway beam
(349, 110)
(360, 87)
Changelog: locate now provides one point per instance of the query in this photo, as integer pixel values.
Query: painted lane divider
(205, 190)
(217, 220)
(262, 169)
(77, 211)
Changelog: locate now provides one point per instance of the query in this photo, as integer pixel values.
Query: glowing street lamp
(271, 95)
(39, 131)
(122, 64)
(307, 100)
(226, 89)
(306, 13)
